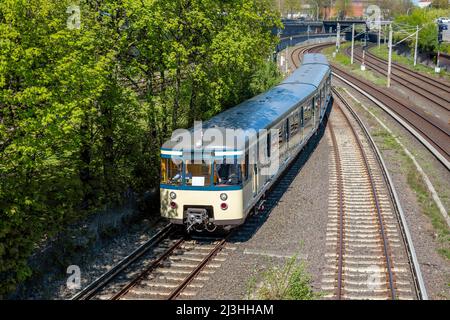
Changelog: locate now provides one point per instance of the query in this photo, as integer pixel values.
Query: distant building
(424, 3)
(356, 9)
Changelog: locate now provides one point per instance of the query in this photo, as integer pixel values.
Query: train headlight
(173, 195)
(223, 197)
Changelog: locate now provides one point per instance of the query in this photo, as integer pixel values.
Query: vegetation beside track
(85, 108)
(428, 36)
(424, 198)
(289, 281)
(383, 52)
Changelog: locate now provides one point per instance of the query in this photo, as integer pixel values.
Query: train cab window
(269, 144)
(171, 172)
(226, 174)
(198, 174)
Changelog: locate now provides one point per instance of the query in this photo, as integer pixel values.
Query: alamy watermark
(258, 147)
(374, 279)
(74, 280)
(74, 20)
(372, 15)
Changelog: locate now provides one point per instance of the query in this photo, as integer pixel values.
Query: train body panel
(283, 118)
(210, 201)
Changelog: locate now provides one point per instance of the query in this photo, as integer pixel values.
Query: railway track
(171, 265)
(433, 91)
(433, 134)
(370, 254)
(180, 270)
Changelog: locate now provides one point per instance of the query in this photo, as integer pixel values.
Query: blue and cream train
(225, 186)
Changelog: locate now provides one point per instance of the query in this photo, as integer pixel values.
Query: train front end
(202, 190)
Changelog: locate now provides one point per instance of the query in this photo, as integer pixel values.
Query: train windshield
(226, 174)
(171, 172)
(198, 174)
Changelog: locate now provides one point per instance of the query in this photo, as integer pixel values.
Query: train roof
(268, 108)
(314, 59)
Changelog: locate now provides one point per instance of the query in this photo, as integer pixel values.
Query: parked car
(443, 20)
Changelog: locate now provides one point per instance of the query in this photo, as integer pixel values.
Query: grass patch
(424, 198)
(290, 281)
(383, 53)
(342, 59)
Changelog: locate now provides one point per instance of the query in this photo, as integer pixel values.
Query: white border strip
(228, 153)
(171, 153)
(432, 149)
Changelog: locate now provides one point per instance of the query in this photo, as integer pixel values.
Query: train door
(288, 138)
(255, 180)
(302, 124)
(282, 142)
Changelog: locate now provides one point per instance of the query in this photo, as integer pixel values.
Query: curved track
(435, 92)
(434, 134)
(372, 255)
(166, 267)
(368, 255)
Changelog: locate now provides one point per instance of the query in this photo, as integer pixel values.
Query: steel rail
(419, 133)
(436, 98)
(219, 246)
(95, 286)
(419, 282)
(374, 195)
(406, 234)
(423, 77)
(148, 270)
(341, 212)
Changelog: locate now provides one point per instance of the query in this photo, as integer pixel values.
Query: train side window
(294, 124)
(269, 144)
(302, 116)
(287, 130)
(280, 135)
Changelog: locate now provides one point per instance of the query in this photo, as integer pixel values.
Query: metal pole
(353, 42)
(416, 46)
(338, 38)
(379, 36)
(317, 18)
(390, 58)
(384, 34)
(287, 61)
(438, 56)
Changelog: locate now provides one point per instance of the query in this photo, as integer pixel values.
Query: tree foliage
(426, 19)
(83, 111)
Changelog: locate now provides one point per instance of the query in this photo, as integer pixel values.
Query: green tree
(84, 110)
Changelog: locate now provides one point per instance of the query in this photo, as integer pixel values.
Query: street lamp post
(416, 46)
(353, 43)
